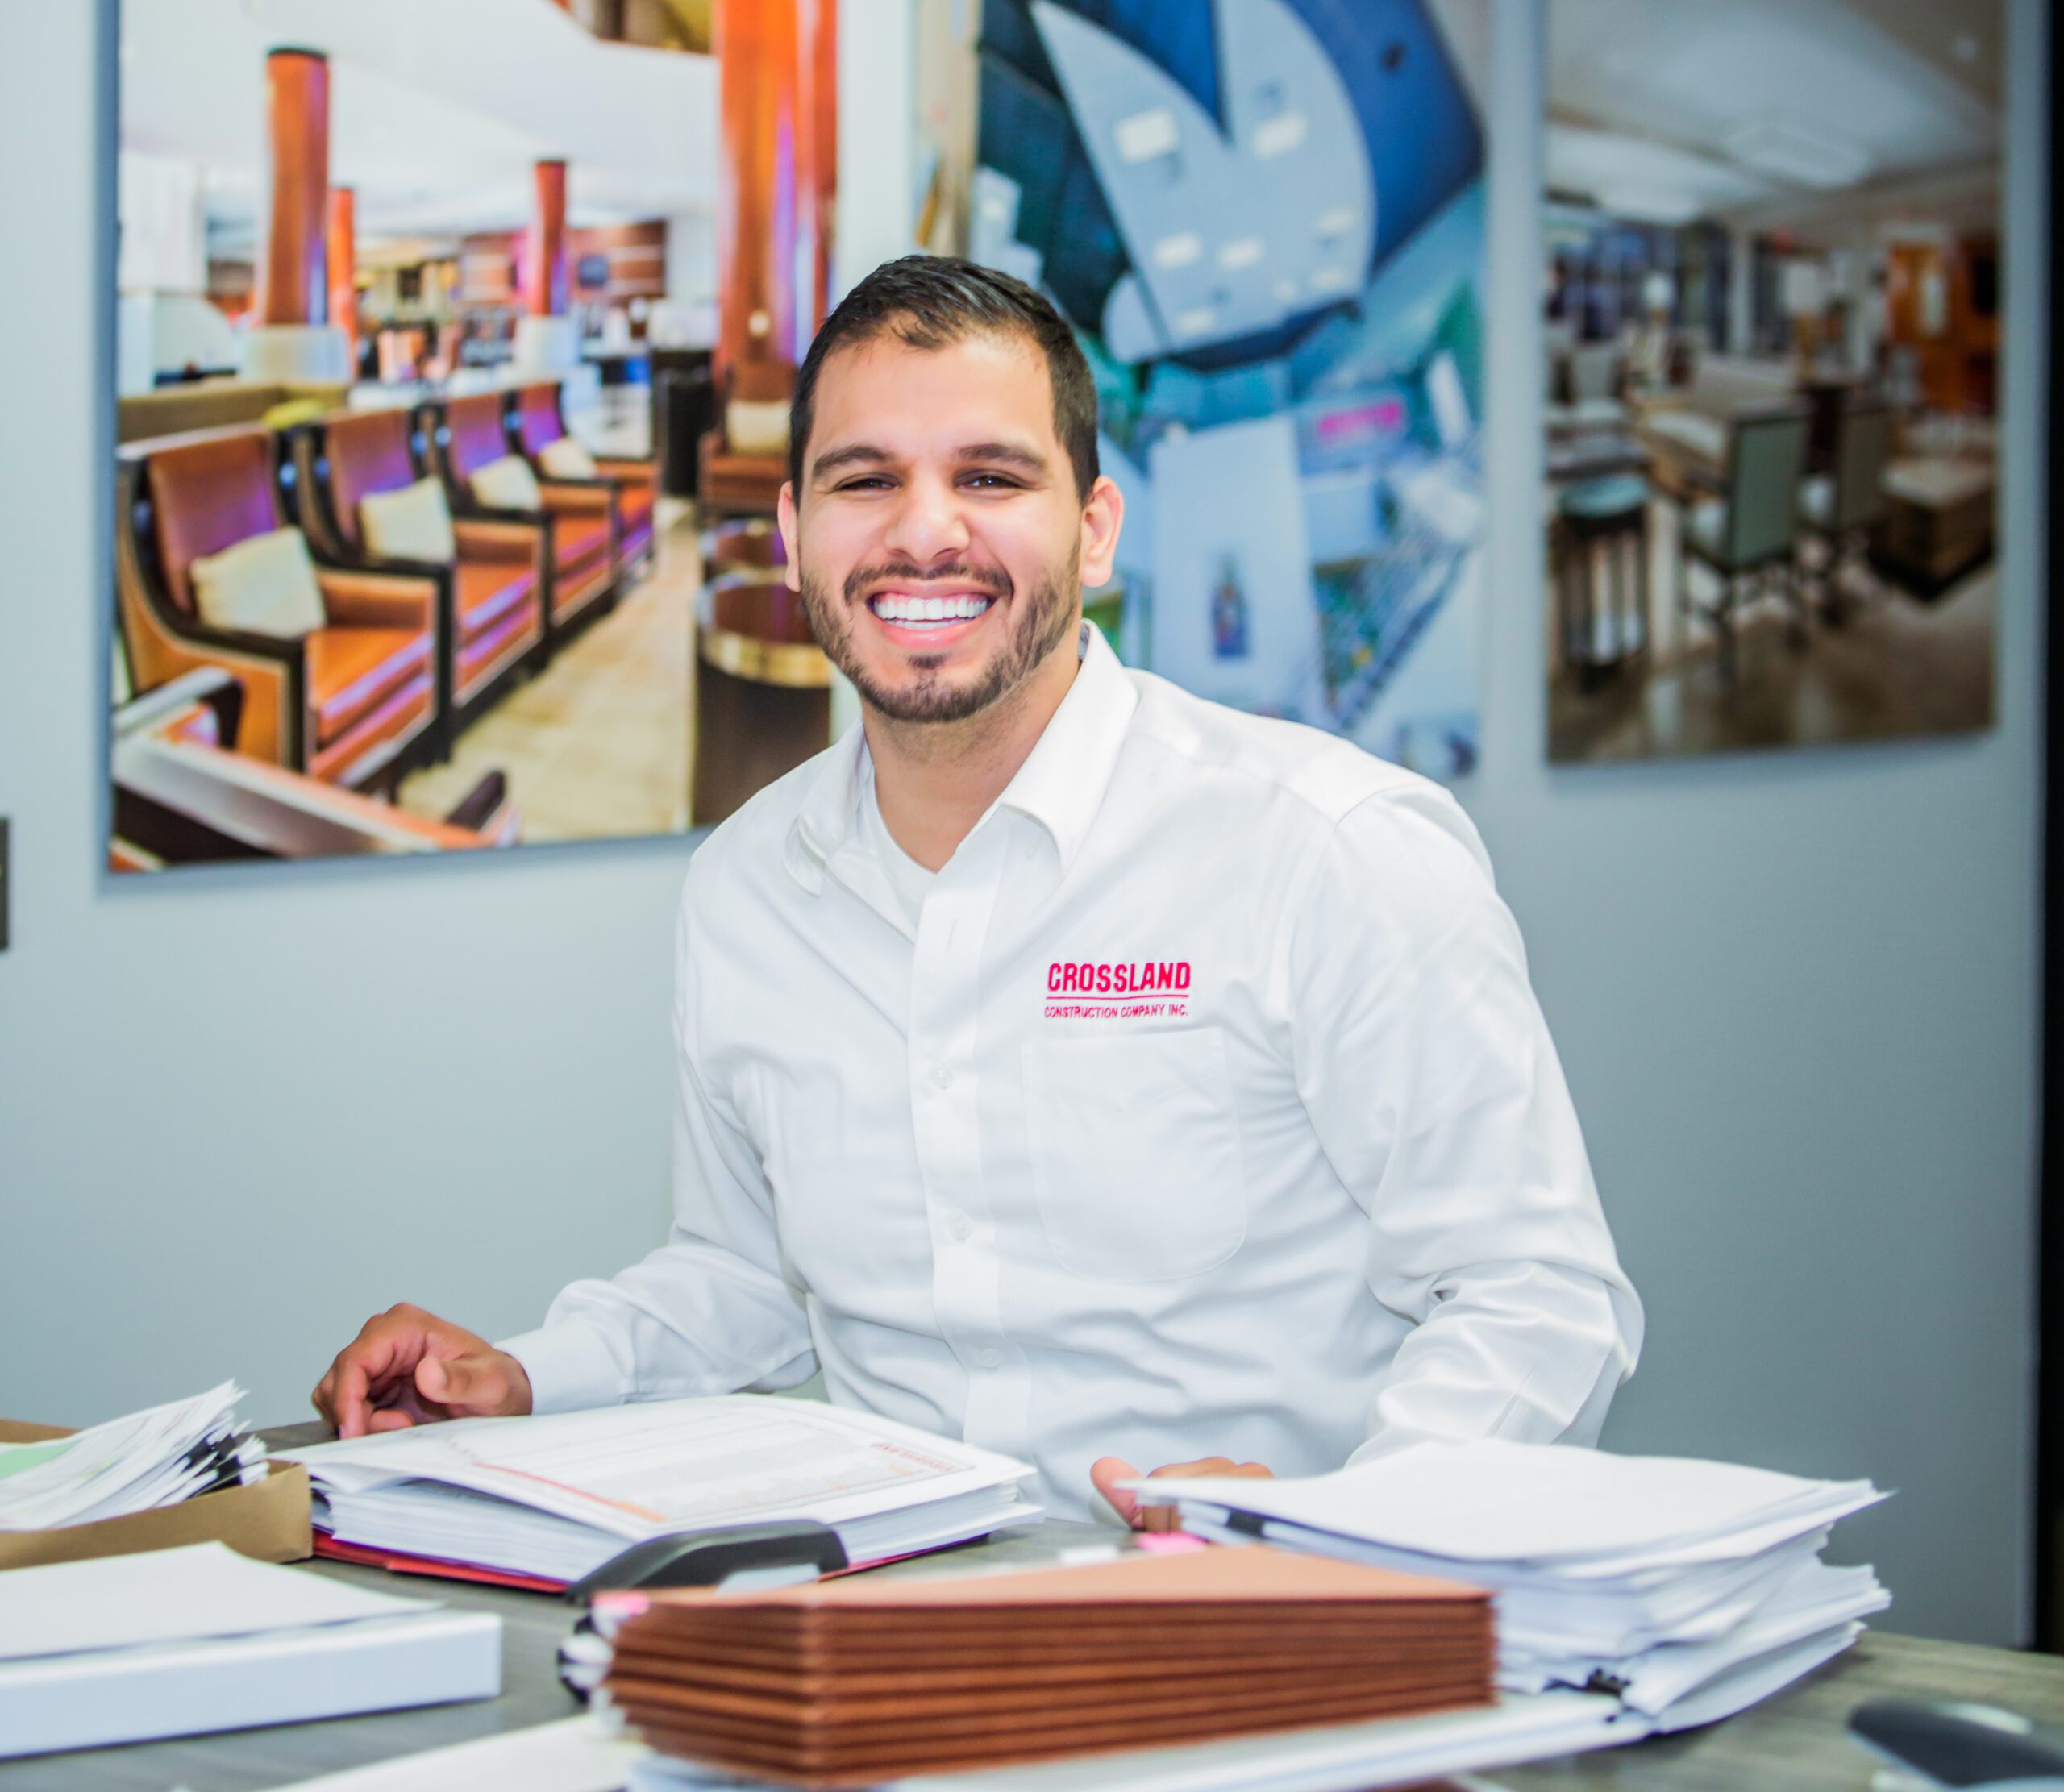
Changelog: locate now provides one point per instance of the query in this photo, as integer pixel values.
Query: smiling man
(1064, 1062)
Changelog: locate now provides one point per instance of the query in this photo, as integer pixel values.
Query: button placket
(945, 987)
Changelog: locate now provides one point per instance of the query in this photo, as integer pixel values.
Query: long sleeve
(1426, 1064)
(710, 1311)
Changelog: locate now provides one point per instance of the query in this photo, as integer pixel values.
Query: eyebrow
(868, 454)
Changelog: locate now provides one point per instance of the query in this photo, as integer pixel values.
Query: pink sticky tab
(1169, 1543)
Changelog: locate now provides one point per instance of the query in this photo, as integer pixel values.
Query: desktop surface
(1795, 1742)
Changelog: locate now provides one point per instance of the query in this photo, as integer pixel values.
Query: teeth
(922, 611)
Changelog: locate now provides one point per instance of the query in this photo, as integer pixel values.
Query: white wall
(1794, 994)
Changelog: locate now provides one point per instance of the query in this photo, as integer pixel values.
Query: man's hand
(407, 1367)
(1108, 1471)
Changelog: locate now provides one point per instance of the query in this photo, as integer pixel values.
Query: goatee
(1044, 614)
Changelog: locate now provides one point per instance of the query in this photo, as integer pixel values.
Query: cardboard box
(266, 1519)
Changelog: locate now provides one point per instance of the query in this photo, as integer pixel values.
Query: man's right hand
(407, 1367)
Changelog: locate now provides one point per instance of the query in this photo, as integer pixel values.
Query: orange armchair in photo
(492, 588)
(469, 437)
(543, 439)
(347, 694)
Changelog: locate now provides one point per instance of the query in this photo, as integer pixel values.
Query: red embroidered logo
(1077, 989)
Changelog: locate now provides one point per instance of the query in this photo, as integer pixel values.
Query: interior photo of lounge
(448, 434)
(1775, 350)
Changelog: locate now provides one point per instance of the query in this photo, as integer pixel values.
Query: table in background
(1793, 1743)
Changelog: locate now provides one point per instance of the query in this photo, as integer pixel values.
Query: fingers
(476, 1384)
(364, 1376)
(1106, 1473)
(1165, 1518)
(351, 1394)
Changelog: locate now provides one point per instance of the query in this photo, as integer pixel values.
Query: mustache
(960, 575)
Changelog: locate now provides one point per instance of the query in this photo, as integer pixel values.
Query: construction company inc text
(1149, 988)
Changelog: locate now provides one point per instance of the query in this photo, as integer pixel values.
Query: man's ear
(1103, 515)
(785, 516)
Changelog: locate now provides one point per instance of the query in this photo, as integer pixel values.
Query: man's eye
(992, 482)
(866, 482)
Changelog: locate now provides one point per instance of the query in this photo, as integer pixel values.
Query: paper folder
(847, 1683)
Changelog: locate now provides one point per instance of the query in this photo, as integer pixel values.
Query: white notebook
(558, 1496)
(179, 1642)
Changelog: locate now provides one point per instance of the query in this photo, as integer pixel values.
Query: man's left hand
(1108, 1471)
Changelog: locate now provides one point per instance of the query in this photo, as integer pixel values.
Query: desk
(1793, 1743)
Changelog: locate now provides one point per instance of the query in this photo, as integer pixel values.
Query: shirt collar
(1060, 785)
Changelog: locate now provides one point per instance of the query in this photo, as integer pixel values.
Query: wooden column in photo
(818, 164)
(758, 101)
(544, 274)
(342, 251)
(294, 286)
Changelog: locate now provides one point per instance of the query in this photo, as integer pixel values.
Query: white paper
(1494, 1501)
(1814, 1600)
(168, 1596)
(132, 1464)
(1343, 1758)
(577, 1754)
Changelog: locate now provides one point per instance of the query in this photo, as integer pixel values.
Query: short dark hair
(930, 301)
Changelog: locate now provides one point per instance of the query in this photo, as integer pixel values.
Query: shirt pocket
(1136, 1153)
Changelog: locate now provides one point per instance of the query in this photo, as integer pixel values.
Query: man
(1064, 1062)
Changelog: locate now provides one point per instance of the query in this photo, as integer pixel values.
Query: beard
(1041, 623)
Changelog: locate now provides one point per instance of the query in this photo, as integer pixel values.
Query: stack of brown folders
(843, 1682)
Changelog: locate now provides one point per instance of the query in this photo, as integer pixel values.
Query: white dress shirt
(1199, 1105)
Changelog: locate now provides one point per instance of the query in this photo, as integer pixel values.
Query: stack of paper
(1688, 1589)
(850, 1682)
(557, 1497)
(148, 1459)
(174, 1642)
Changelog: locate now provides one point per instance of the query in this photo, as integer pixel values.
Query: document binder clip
(763, 1555)
(769, 1553)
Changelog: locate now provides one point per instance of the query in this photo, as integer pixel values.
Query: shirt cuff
(570, 1368)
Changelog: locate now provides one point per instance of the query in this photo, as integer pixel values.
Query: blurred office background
(1796, 995)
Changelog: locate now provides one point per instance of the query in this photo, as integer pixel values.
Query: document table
(1796, 1742)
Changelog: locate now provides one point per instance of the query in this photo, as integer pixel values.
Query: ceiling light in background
(1331, 280)
(1337, 223)
(1200, 323)
(1178, 251)
(1147, 135)
(1807, 158)
(1243, 253)
(1279, 135)
(1646, 205)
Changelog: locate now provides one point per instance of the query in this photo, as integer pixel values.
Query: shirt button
(991, 1359)
(942, 1077)
(958, 1226)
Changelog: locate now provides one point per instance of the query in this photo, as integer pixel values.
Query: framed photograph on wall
(415, 547)
(1772, 254)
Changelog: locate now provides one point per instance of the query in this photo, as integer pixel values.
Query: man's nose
(928, 523)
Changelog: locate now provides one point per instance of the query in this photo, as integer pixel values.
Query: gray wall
(1795, 995)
